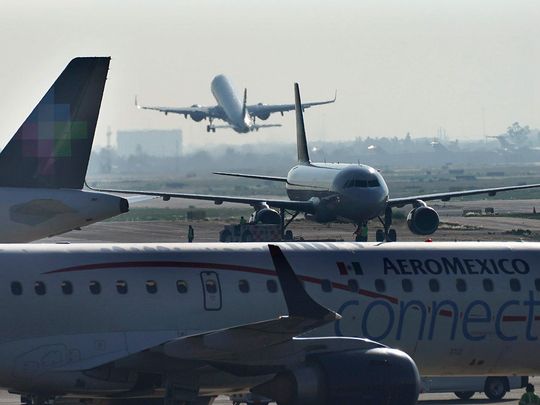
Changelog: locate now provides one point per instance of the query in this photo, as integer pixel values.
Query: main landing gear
(210, 127)
(388, 234)
(286, 234)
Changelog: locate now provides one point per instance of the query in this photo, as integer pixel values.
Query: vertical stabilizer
(301, 143)
(52, 147)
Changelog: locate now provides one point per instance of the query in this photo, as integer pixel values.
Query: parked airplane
(239, 116)
(329, 191)
(187, 323)
(43, 167)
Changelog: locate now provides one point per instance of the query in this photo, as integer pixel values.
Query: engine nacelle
(371, 377)
(423, 220)
(265, 216)
(262, 115)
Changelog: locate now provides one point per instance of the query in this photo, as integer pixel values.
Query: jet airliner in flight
(316, 324)
(239, 116)
(326, 192)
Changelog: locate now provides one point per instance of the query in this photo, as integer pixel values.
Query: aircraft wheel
(379, 235)
(225, 236)
(495, 388)
(392, 235)
(247, 236)
(208, 129)
(464, 394)
(288, 235)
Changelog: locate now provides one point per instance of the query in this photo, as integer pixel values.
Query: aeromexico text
(454, 266)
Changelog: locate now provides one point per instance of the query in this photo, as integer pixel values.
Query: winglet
(244, 104)
(299, 303)
(137, 103)
(301, 142)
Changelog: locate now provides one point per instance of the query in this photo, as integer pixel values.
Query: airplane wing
(302, 206)
(262, 109)
(201, 112)
(401, 201)
(253, 176)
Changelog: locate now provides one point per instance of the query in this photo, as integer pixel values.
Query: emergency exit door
(211, 290)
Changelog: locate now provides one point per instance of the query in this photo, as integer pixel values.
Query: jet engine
(372, 377)
(265, 216)
(423, 220)
(262, 115)
(196, 116)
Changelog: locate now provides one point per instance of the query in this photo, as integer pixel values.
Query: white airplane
(299, 323)
(42, 168)
(239, 116)
(329, 191)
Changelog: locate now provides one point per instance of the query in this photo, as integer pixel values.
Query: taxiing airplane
(317, 323)
(329, 191)
(239, 116)
(43, 167)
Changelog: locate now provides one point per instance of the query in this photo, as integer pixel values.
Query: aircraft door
(211, 290)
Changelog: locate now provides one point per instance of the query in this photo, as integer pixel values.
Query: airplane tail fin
(301, 142)
(52, 147)
(244, 104)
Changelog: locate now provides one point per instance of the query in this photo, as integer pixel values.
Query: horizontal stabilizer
(253, 176)
(52, 147)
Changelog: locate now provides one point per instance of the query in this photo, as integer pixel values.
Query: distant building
(151, 142)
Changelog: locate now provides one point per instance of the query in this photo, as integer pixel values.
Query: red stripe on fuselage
(212, 266)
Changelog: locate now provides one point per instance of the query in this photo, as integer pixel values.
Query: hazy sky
(399, 66)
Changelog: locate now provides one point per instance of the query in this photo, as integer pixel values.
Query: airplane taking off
(329, 191)
(315, 323)
(43, 167)
(239, 116)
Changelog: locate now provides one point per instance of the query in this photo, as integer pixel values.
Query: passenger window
(515, 285)
(326, 285)
(380, 285)
(121, 287)
(353, 285)
(67, 287)
(488, 284)
(243, 286)
(211, 287)
(537, 284)
(181, 286)
(151, 286)
(461, 285)
(271, 286)
(95, 287)
(407, 285)
(39, 288)
(16, 288)
(434, 285)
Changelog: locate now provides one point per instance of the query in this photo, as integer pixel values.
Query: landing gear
(286, 234)
(387, 234)
(210, 127)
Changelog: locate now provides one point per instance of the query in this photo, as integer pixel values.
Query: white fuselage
(226, 98)
(456, 308)
(28, 214)
(354, 192)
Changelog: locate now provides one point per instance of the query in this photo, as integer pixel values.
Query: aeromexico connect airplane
(42, 168)
(329, 191)
(299, 323)
(239, 116)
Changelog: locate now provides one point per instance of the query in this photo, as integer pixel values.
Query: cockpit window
(361, 183)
